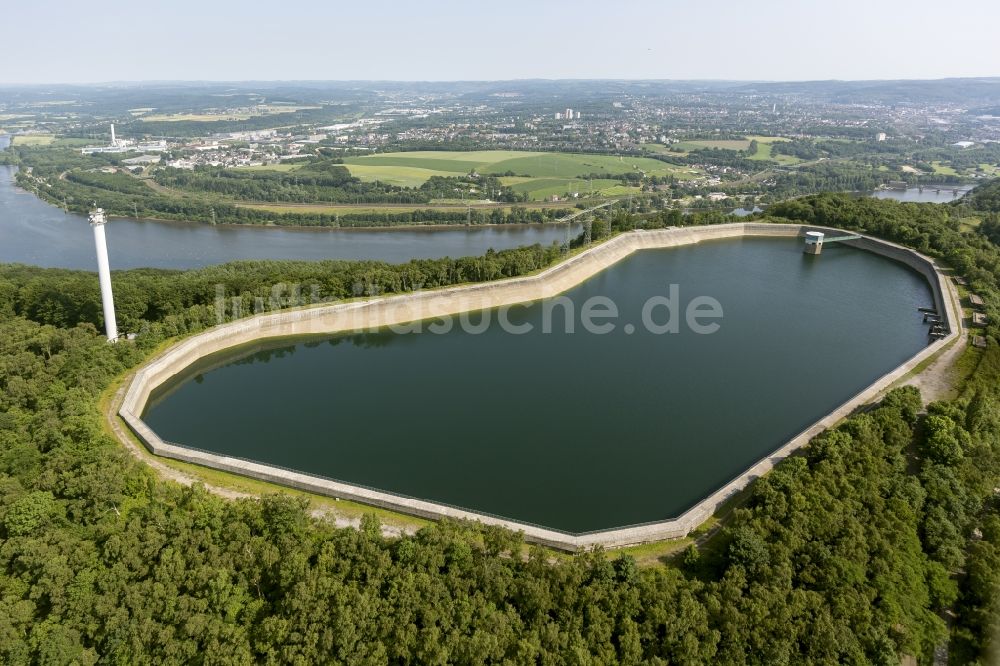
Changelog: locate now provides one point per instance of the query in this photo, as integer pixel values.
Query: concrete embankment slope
(379, 312)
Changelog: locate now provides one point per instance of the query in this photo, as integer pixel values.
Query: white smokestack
(113, 141)
(97, 221)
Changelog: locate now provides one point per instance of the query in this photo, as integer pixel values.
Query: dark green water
(577, 431)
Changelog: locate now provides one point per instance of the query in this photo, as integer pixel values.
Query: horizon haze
(444, 40)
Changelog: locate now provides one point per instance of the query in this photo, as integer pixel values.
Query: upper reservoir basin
(575, 431)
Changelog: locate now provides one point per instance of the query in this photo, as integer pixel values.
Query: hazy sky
(75, 41)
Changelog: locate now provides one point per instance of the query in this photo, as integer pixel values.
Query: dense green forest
(985, 198)
(849, 553)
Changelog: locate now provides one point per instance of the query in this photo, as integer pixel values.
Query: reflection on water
(571, 430)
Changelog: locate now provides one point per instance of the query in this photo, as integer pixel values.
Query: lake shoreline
(35, 232)
(322, 228)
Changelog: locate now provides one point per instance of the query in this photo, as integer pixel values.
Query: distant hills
(985, 91)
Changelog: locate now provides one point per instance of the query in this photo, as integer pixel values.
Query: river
(34, 232)
(927, 194)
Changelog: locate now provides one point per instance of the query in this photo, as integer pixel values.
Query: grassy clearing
(969, 224)
(32, 139)
(943, 169)
(652, 554)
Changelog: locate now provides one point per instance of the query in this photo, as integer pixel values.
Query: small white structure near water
(814, 242)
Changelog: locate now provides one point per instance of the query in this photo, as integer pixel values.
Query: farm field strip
(539, 175)
(364, 209)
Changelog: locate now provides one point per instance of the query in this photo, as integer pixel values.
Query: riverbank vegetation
(226, 196)
(851, 552)
(221, 195)
(326, 181)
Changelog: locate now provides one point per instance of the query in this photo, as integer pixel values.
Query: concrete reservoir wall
(400, 309)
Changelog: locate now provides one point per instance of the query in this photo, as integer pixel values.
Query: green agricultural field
(72, 142)
(619, 190)
(669, 151)
(404, 176)
(725, 144)
(764, 151)
(427, 161)
(541, 188)
(50, 140)
(566, 165)
(539, 174)
(32, 139)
